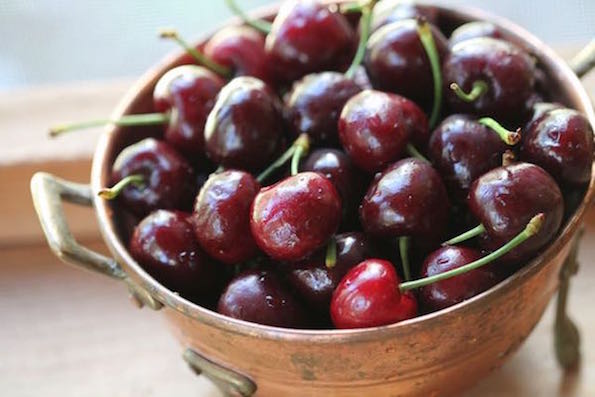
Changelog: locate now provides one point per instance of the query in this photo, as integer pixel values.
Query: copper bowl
(435, 354)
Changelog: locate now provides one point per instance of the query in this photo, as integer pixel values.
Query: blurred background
(56, 41)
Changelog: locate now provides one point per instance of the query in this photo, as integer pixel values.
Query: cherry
(472, 30)
(374, 129)
(259, 296)
(315, 102)
(338, 168)
(561, 141)
(369, 296)
(296, 216)
(164, 245)
(498, 75)
(397, 61)
(244, 129)
(315, 281)
(506, 198)
(222, 216)
(151, 175)
(449, 292)
(538, 110)
(307, 37)
(408, 199)
(463, 149)
(389, 11)
(188, 93)
(241, 49)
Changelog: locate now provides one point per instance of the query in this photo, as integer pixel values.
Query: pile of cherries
(323, 170)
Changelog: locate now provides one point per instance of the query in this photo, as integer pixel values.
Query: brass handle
(48, 192)
(584, 61)
(229, 382)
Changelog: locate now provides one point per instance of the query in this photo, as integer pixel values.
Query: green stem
(365, 23)
(413, 152)
(469, 234)
(404, 252)
(258, 24)
(330, 259)
(114, 191)
(295, 159)
(530, 230)
(427, 40)
(509, 137)
(302, 142)
(197, 55)
(127, 120)
(479, 88)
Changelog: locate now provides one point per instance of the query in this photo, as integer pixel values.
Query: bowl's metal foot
(566, 334)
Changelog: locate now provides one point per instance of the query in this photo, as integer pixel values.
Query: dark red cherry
(451, 291)
(315, 282)
(396, 61)
(369, 296)
(388, 11)
(561, 142)
(508, 71)
(307, 37)
(408, 199)
(168, 179)
(245, 128)
(222, 216)
(296, 216)
(462, 150)
(506, 198)
(472, 30)
(416, 121)
(240, 48)
(538, 110)
(338, 168)
(188, 92)
(259, 296)
(164, 245)
(315, 102)
(373, 129)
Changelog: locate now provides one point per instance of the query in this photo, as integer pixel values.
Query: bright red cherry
(259, 296)
(168, 181)
(307, 37)
(188, 93)
(295, 217)
(369, 296)
(222, 216)
(561, 141)
(164, 245)
(245, 128)
(451, 291)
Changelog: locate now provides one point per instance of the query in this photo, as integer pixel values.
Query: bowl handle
(584, 61)
(48, 192)
(229, 382)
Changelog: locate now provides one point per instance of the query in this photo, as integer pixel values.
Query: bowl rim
(208, 317)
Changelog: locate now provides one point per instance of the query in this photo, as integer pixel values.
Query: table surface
(72, 333)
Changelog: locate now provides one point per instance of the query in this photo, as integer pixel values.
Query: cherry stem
(114, 191)
(479, 88)
(302, 143)
(200, 58)
(413, 152)
(127, 120)
(352, 8)
(508, 158)
(530, 230)
(427, 40)
(509, 137)
(404, 252)
(258, 24)
(330, 259)
(469, 234)
(365, 23)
